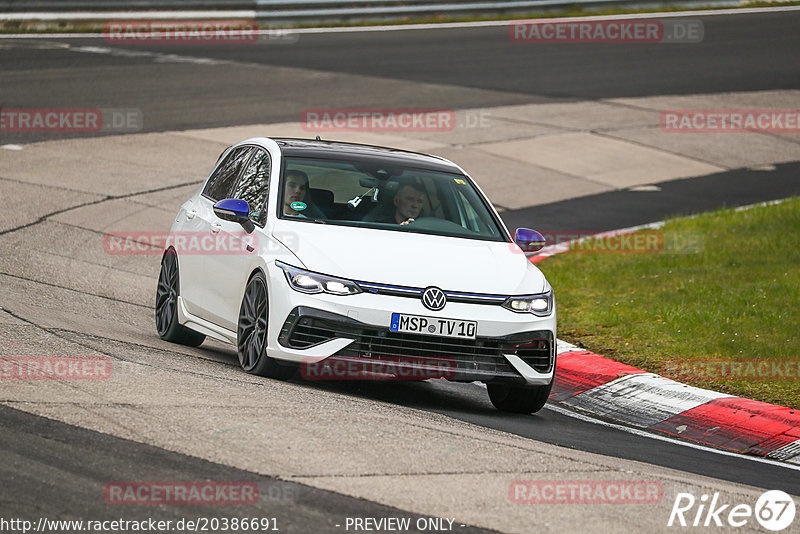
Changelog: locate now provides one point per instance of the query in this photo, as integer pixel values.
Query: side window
(220, 185)
(254, 186)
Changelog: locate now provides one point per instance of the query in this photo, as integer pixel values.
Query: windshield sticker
(298, 206)
(459, 181)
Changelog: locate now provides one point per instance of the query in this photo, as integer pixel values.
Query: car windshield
(385, 195)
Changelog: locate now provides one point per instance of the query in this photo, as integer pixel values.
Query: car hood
(411, 259)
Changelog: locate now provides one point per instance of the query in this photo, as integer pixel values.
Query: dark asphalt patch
(623, 208)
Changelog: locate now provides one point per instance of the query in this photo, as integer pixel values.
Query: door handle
(190, 214)
(216, 227)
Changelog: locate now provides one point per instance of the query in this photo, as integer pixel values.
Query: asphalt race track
(41, 446)
(461, 67)
(321, 452)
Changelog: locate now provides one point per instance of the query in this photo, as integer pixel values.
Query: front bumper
(461, 360)
(509, 347)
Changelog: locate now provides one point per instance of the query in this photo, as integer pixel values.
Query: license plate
(433, 326)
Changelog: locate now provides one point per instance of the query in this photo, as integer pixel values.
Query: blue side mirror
(529, 240)
(232, 209)
(235, 210)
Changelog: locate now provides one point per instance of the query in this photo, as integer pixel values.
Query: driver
(408, 203)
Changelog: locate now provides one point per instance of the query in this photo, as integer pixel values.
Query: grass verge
(718, 306)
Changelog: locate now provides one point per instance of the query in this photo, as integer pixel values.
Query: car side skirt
(204, 327)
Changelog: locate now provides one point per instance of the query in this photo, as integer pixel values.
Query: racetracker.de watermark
(647, 241)
(607, 31)
(194, 32)
(730, 120)
(714, 369)
(204, 243)
(74, 120)
(54, 368)
(585, 492)
(386, 368)
(380, 120)
(181, 493)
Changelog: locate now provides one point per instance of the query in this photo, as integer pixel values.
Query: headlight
(308, 282)
(541, 305)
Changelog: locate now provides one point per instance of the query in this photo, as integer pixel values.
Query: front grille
(416, 292)
(480, 358)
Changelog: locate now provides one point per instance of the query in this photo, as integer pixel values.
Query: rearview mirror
(529, 240)
(235, 210)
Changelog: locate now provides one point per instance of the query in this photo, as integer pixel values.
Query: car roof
(337, 149)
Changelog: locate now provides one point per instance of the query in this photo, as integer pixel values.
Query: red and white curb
(618, 392)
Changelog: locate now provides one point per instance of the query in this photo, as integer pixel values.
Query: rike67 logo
(774, 510)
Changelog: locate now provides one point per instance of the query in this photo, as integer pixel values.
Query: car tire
(251, 333)
(518, 399)
(167, 325)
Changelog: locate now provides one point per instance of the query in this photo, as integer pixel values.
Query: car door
(229, 268)
(197, 277)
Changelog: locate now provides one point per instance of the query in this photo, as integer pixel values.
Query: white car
(348, 261)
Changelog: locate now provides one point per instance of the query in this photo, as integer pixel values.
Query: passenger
(407, 202)
(295, 190)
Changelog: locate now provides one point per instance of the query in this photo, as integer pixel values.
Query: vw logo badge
(433, 298)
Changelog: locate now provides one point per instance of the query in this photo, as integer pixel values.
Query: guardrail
(121, 5)
(297, 10)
